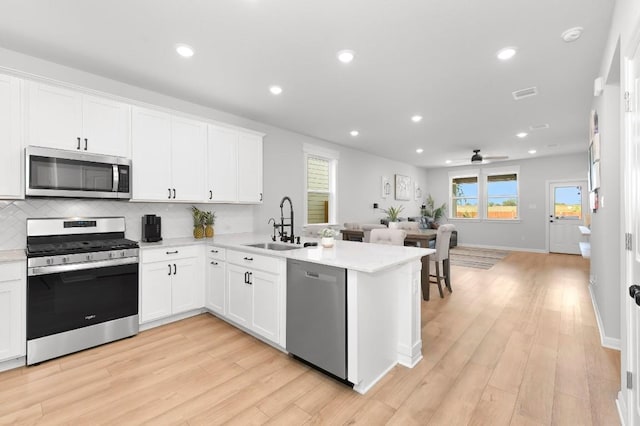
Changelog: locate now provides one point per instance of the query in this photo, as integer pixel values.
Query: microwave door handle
(116, 178)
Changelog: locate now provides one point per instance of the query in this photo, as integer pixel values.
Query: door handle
(86, 143)
(169, 269)
(249, 280)
(175, 269)
(246, 277)
(261, 196)
(211, 195)
(78, 144)
(248, 258)
(169, 197)
(634, 292)
(174, 193)
(551, 221)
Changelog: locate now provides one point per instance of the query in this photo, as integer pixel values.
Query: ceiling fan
(478, 158)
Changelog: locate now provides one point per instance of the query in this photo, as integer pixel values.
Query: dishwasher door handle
(320, 277)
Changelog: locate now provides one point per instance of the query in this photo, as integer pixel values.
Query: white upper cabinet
(66, 119)
(10, 139)
(222, 165)
(249, 168)
(151, 155)
(188, 142)
(168, 157)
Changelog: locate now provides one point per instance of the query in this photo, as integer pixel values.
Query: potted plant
(327, 237)
(435, 213)
(392, 215)
(209, 221)
(198, 222)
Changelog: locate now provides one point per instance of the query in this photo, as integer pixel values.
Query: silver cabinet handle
(211, 195)
(172, 252)
(169, 197)
(175, 269)
(169, 269)
(86, 143)
(248, 258)
(78, 144)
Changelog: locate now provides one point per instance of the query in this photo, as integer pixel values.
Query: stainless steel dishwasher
(317, 315)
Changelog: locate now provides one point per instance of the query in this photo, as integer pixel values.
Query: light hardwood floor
(517, 344)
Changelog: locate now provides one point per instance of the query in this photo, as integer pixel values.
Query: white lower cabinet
(255, 293)
(171, 281)
(215, 284)
(13, 319)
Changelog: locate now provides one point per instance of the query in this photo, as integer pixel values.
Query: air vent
(535, 127)
(525, 93)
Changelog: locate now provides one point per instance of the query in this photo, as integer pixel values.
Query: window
(486, 194)
(320, 182)
(464, 197)
(502, 196)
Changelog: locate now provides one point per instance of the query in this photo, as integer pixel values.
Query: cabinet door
(188, 142)
(12, 320)
(106, 126)
(215, 286)
(10, 121)
(222, 165)
(54, 117)
(187, 286)
(155, 291)
(151, 155)
(238, 296)
(250, 168)
(265, 304)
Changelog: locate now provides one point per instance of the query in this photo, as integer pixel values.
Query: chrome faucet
(283, 233)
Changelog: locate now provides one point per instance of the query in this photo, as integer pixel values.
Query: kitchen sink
(274, 246)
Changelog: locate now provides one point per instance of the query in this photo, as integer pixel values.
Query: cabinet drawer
(12, 271)
(254, 261)
(169, 253)
(218, 253)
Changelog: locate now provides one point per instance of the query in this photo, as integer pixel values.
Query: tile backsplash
(176, 217)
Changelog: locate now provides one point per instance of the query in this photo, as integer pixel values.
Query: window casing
(488, 194)
(320, 186)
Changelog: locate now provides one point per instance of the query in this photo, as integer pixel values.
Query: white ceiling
(427, 57)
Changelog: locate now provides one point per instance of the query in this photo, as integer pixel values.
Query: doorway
(567, 208)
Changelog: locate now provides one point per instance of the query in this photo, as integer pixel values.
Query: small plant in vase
(198, 222)
(433, 212)
(327, 237)
(209, 221)
(392, 215)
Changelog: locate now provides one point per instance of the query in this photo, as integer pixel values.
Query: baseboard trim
(607, 342)
(530, 250)
(13, 363)
(622, 408)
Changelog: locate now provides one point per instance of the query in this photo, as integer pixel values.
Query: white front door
(632, 223)
(567, 207)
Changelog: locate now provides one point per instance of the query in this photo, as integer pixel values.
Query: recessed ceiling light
(276, 90)
(419, 150)
(572, 34)
(354, 133)
(522, 135)
(416, 118)
(532, 151)
(448, 162)
(184, 50)
(346, 56)
(506, 53)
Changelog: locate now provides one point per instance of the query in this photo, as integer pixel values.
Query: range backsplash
(176, 217)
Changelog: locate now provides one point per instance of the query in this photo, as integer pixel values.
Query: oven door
(58, 173)
(67, 297)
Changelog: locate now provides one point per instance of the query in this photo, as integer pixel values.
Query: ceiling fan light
(476, 157)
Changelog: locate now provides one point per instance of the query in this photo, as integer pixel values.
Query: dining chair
(441, 256)
(388, 236)
(409, 227)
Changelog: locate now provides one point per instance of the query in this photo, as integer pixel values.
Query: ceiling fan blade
(496, 157)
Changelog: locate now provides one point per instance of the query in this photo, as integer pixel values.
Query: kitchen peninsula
(383, 295)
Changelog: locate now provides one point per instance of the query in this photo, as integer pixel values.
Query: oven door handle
(55, 269)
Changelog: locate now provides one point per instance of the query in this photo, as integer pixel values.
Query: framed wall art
(417, 192)
(403, 188)
(386, 187)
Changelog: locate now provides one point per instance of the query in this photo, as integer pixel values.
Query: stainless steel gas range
(82, 286)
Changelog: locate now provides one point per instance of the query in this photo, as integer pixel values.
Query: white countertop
(12, 255)
(363, 257)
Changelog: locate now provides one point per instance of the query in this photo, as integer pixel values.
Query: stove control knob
(110, 255)
(122, 254)
(65, 259)
(89, 257)
(49, 261)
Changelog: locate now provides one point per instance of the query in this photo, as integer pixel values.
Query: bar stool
(388, 236)
(441, 255)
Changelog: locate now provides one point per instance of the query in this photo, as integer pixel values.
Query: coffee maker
(151, 228)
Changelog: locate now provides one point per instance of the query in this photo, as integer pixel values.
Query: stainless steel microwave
(59, 173)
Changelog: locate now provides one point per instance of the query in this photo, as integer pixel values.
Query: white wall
(528, 233)
(359, 173)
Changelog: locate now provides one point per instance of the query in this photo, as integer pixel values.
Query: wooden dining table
(420, 237)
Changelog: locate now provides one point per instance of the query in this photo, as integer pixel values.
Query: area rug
(473, 257)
